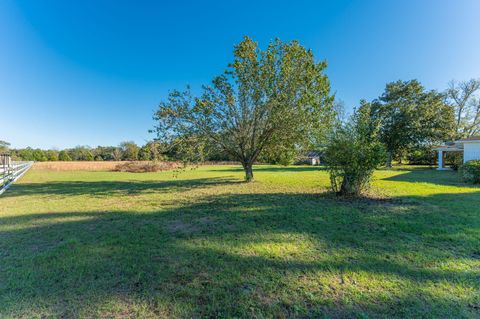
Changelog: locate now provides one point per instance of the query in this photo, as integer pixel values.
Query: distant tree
(117, 154)
(144, 154)
(283, 156)
(151, 151)
(81, 153)
(102, 153)
(88, 156)
(353, 152)
(129, 151)
(26, 154)
(52, 155)
(63, 156)
(278, 98)
(464, 97)
(155, 149)
(411, 117)
(4, 146)
(14, 154)
(39, 155)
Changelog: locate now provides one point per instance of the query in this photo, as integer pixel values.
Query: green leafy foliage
(464, 97)
(471, 171)
(63, 156)
(454, 160)
(39, 155)
(266, 101)
(353, 152)
(279, 155)
(4, 146)
(411, 117)
(52, 155)
(422, 156)
(129, 150)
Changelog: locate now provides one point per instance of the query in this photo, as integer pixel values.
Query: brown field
(76, 166)
(107, 165)
(80, 165)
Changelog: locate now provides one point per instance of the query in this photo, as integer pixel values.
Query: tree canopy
(276, 100)
(410, 117)
(464, 97)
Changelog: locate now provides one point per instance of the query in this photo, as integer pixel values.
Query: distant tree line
(125, 151)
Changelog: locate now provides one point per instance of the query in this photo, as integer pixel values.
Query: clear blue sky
(92, 72)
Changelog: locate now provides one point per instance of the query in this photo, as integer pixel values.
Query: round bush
(471, 171)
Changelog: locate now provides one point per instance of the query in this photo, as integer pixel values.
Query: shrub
(422, 156)
(471, 171)
(144, 167)
(353, 152)
(454, 160)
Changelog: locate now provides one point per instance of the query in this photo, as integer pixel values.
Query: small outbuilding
(313, 158)
(308, 158)
(469, 146)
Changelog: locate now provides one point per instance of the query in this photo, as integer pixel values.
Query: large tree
(129, 150)
(411, 116)
(464, 97)
(276, 99)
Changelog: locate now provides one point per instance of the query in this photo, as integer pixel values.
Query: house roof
(470, 139)
(312, 154)
(448, 147)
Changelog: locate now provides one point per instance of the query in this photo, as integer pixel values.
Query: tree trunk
(247, 167)
(388, 162)
(349, 188)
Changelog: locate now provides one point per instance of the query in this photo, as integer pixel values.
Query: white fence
(10, 172)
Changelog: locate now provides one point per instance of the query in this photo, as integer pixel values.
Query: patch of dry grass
(122, 166)
(119, 166)
(76, 166)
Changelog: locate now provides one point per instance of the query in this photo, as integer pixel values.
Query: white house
(469, 146)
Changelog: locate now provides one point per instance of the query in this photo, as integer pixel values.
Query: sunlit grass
(205, 244)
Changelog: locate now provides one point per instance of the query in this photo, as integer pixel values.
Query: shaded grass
(204, 244)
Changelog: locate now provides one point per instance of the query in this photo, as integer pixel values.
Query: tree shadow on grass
(112, 188)
(431, 176)
(273, 169)
(243, 255)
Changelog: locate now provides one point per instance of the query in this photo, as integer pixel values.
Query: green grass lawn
(204, 244)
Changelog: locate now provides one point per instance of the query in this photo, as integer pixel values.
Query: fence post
(11, 171)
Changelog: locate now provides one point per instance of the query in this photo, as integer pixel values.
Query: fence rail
(10, 172)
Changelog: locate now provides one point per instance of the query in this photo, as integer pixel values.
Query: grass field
(204, 244)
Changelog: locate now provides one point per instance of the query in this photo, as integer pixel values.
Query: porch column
(440, 160)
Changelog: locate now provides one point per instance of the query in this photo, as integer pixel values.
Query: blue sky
(92, 72)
